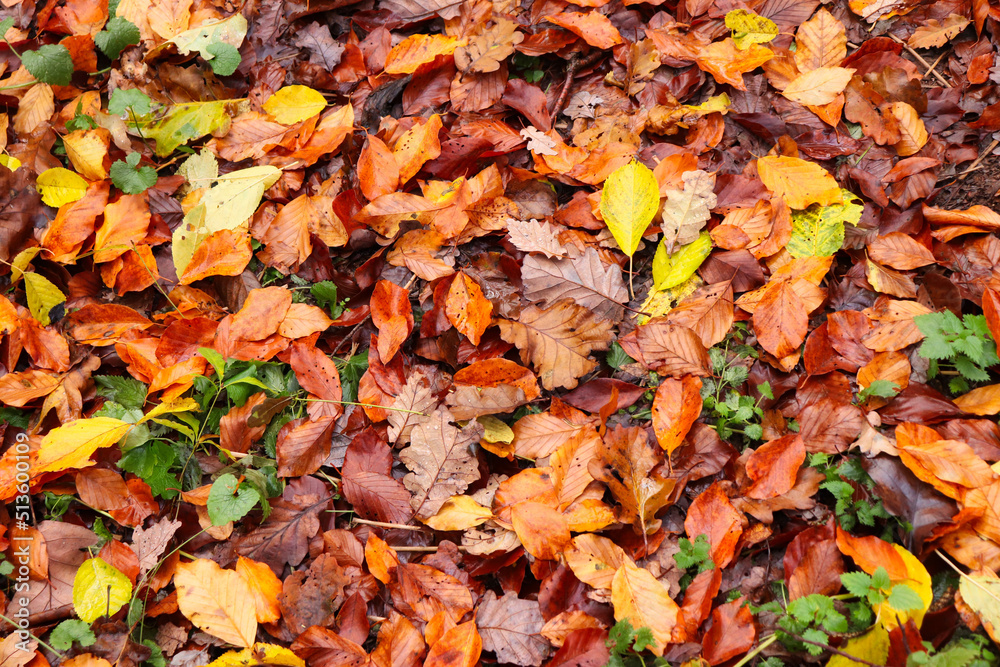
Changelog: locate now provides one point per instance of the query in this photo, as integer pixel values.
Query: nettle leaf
(226, 58)
(129, 177)
(133, 99)
(228, 500)
(118, 34)
(51, 64)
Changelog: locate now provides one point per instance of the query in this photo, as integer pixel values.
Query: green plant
(807, 622)
(528, 67)
(118, 34)
(129, 177)
(963, 348)
(730, 410)
(849, 509)
(879, 388)
(69, 631)
(617, 357)
(325, 294)
(695, 557)
(626, 645)
(963, 650)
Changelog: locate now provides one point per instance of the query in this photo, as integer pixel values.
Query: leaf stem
(764, 643)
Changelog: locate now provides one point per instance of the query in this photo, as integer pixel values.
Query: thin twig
(383, 524)
(975, 165)
(422, 549)
(920, 59)
(837, 651)
(933, 66)
(575, 65)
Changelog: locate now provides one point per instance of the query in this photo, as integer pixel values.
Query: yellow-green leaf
(69, 447)
(749, 28)
(171, 407)
(872, 647)
(230, 31)
(818, 231)
(60, 186)
(672, 270)
(227, 205)
(99, 589)
(171, 126)
(661, 302)
(259, 654)
(496, 430)
(629, 201)
(43, 296)
(292, 104)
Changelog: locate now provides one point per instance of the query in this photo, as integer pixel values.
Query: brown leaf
(467, 308)
(585, 279)
(730, 632)
(627, 463)
(485, 51)
(261, 313)
(676, 406)
(671, 349)
(441, 462)
(558, 341)
(368, 482)
(511, 627)
(713, 515)
(317, 374)
(781, 320)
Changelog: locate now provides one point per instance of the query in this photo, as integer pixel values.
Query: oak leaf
(486, 51)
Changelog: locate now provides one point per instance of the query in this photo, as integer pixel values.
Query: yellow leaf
(496, 430)
(820, 86)
(799, 182)
(99, 589)
(934, 33)
(10, 162)
(982, 595)
(86, 150)
(911, 127)
(259, 654)
(919, 580)
(661, 302)
(217, 601)
(42, 295)
(70, 446)
(873, 647)
(417, 50)
(60, 186)
(226, 206)
(628, 203)
(171, 407)
(459, 513)
(749, 28)
(21, 261)
(670, 270)
(292, 104)
(645, 602)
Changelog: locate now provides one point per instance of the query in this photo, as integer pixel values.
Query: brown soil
(979, 187)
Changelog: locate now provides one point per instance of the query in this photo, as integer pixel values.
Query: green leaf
(818, 231)
(51, 64)
(856, 583)
(69, 631)
(325, 293)
(130, 178)
(226, 58)
(629, 201)
(99, 589)
(880, 388)
(14, 417)
(617, 357)
(152, 463)
(217, 360)
(672, 270)
(127, 391)
(132, 98)
(6, 25)
(697, 553)
(118, 34)
(749, 28)
(903, 597)
(228, 500)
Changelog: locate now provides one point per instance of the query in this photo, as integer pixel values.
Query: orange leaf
(542, 529)
(799, 182)
(593, 27)
(303, 320)
(781, 320)
(264, 586)
(467, 308)
(713, 515)
(459, 647)
(417, 146)
(377, 171)
(392, 314)
(774, 466)
(261, 313)
(223, 253)
(676, 406)
(727, 63)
